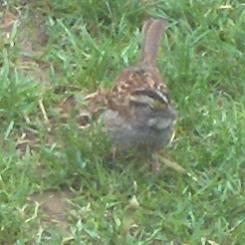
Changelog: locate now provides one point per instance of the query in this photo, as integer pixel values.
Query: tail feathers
(152, 30)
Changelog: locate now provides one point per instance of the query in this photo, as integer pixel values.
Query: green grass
(89, 43)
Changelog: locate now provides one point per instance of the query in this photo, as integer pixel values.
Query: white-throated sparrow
(138, 113)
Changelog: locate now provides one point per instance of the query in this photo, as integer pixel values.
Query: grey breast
(142, 132)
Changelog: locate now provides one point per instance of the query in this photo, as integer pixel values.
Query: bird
(137, 113)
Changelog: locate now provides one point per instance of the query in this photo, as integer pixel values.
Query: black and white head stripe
(154, 94)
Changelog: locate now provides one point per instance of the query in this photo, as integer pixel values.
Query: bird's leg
(154, 163)
(112, 157)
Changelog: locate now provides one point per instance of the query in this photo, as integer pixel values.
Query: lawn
(56, 186)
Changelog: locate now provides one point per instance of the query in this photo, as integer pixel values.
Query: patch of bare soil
(32, 41)
(53, 205)
(28, 30)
